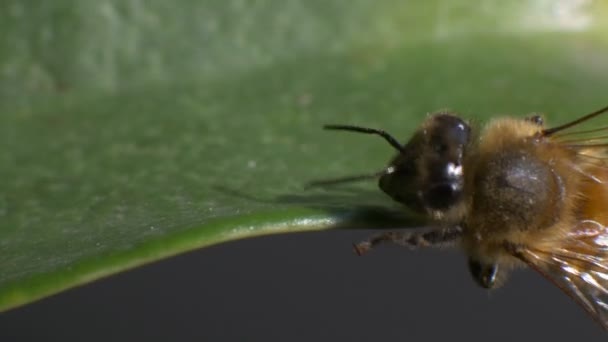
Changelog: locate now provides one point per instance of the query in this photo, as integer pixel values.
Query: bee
(513, 193)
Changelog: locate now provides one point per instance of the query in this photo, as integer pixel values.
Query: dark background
(304, 287)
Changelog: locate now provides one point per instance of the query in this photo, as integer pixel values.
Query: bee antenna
(553, 130)
(350, 179)
(389, 138)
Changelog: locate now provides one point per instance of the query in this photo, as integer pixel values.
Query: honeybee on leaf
(512, 193)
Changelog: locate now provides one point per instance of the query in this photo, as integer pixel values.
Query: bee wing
(579, 267)
(583, 141)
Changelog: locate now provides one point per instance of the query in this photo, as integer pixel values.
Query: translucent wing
(588, 139)
(579, 267)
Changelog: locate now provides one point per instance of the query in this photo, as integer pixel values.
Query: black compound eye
(440, 148)
(443, 195)
(450, 130)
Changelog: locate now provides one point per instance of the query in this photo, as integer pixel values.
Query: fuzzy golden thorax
(519, 187)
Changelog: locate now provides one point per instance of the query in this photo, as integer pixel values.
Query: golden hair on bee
(513, 193)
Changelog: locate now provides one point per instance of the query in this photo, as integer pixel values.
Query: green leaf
(135, 130)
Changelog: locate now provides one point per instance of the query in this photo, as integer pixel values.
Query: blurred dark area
(304, 287)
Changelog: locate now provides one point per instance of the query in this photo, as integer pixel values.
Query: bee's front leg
(411, 239)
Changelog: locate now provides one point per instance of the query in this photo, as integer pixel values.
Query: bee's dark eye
(440, 148)
(442, 196)
(449, 131)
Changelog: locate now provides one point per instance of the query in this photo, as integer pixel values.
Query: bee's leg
(411, 239)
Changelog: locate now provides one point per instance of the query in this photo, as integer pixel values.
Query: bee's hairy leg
(411, 239)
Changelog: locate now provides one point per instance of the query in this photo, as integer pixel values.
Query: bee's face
(428, 175)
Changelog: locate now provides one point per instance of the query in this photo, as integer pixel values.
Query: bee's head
(427, 175)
